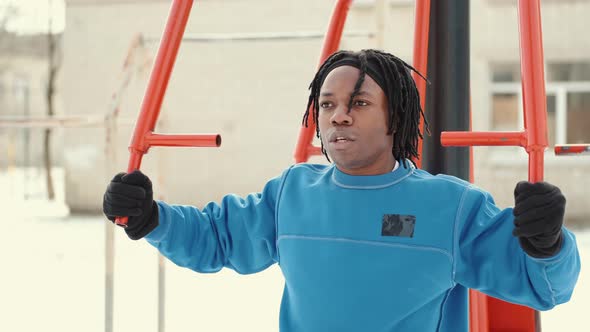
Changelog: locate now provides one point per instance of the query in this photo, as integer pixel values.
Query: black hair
(403, 99)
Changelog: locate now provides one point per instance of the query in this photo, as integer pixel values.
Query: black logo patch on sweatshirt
(398, 225)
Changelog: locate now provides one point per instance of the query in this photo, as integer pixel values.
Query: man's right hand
(130, 195)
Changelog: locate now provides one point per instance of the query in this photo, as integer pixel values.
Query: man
(369, 243)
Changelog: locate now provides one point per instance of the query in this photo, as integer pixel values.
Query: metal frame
(499, 315)
(492, 314)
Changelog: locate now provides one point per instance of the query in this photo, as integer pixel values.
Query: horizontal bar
(57, 122)
(515, 87)
(458, 138)
(257, 36)
(314, 150)
(48, 122)
(571, 149)
(202, 140)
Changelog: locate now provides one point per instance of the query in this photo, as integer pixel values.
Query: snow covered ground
(53, 279)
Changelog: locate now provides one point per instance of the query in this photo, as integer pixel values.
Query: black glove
(130, 195)
(538, 217)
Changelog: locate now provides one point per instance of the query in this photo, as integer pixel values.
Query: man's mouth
(339, 138)
(340, 142)
(342, 139)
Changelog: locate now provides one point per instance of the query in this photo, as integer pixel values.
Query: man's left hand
(538, 217)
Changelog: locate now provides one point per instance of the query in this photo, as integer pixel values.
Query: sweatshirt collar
(398, 173)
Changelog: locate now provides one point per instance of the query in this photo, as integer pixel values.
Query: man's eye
(325, 104)
(360, 103)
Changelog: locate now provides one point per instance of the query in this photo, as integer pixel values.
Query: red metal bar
(569, 149)
(160, 75)
(314, 150)
(505, 316)
(143, 136)
(304, 148)
(478, 304)
(420, 61)
(212, 140)
(450, 138)
(533, 85)
(478, 312)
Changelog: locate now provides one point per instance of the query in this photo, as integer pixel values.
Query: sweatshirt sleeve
(489, 258)
(238, 233)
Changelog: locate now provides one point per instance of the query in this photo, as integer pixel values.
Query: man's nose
(341, 116)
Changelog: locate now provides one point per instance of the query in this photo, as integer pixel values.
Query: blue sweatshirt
(391, 252)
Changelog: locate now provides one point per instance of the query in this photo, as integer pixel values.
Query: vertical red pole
(478, 302)
(420, 61)
(478, 312)
(505, 316)
(533, 85)
(331, 43)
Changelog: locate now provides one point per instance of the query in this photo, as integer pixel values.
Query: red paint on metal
(420, 61)
(568, 149)
(212, 140)
(457, 138)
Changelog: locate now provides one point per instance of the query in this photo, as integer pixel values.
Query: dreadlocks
(403, 100)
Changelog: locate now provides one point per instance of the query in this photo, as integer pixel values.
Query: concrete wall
(254, 94)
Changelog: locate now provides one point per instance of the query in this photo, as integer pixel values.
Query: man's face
(356, 140)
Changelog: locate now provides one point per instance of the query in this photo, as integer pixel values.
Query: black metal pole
(448, 95)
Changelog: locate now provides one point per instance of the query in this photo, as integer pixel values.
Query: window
(568, 100)
(578, 117)
(567, 72)
(21, 91)
(505, 111)
(2, 85)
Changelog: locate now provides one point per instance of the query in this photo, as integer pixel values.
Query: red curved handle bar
(143, 135)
